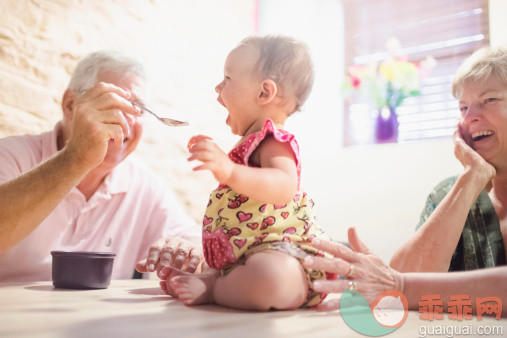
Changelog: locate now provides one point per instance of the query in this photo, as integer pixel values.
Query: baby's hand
(213, 158)
(196, 139)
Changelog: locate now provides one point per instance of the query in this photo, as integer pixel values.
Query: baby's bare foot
(195, 289)
(166, 274)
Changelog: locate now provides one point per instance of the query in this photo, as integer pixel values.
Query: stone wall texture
(182, 43)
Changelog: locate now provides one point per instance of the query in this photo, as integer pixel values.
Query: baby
(258, 223)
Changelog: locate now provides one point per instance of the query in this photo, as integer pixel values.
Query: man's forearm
(432, 246)
(28, 199)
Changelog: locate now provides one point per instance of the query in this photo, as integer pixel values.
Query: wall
(183, 44)
(379, 189)
(498, 24)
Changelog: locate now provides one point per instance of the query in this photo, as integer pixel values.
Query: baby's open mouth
(481, 135)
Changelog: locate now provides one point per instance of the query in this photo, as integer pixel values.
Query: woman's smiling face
(483, 122)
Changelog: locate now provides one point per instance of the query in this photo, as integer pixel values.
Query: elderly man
(73, 188)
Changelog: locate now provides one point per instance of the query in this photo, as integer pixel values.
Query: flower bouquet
(387, 84)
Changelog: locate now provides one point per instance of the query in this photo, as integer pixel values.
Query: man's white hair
(85, 74)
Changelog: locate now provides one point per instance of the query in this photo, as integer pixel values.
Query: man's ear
(68, 101)
(268, 91)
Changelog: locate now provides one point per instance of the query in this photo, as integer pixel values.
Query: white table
(138, 308)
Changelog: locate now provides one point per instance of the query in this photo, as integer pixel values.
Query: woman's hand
(370, 274)
(213, 158)
(470, 159)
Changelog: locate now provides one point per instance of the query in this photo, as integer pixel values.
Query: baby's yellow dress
(236, 226)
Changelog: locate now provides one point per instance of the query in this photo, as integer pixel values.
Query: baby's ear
(268, 91)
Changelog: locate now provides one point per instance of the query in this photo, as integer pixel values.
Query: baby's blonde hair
(483, 63)
(287, 62)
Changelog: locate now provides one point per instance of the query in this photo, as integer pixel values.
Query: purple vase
(386, 127)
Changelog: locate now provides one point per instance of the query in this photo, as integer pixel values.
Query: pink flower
(355, 81)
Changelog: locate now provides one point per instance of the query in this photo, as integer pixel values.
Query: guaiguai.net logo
(385, 315)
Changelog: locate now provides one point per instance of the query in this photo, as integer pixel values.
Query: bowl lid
(91, 254)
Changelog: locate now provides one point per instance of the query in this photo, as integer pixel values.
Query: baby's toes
(186, 298)
(163, 286)
(177, 285)
(166, 287)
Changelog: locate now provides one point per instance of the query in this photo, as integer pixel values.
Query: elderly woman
(464, 223)
(469, 212)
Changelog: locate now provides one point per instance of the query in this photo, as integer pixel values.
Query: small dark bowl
(82, 269)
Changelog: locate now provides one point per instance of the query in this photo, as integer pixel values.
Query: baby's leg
(269, 279)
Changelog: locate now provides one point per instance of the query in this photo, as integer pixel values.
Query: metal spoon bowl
(165, 120)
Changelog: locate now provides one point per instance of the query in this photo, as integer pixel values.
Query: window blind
(448, 30)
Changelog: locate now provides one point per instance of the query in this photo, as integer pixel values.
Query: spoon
(165, 120)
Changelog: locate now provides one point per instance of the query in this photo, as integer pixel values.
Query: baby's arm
(274, 182)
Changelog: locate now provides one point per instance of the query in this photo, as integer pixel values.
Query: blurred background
(379, 188)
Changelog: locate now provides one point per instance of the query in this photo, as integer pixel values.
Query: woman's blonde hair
(287, 62)
(483, 63)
